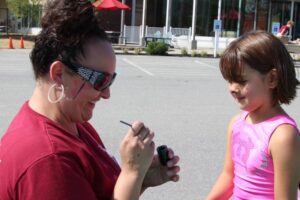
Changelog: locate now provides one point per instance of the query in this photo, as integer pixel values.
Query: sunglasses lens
(104, 81)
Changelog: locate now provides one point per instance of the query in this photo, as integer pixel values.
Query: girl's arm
(224, 184)
(284, 148)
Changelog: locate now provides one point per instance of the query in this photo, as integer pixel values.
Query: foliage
(17, 7)
(157, 48)
(125, 50)
(220, 53)
(194, 53)
(203, 54)
(184, 52)
(137, 51)
(27, 10)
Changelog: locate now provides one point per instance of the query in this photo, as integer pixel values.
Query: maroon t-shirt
(40, 160)
(284, 30)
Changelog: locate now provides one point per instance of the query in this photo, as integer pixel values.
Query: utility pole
(121, 38)
(168, 16)
(217, 33)
(142, 38)
(193, 44)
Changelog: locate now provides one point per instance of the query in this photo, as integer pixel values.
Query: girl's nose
(234, 87)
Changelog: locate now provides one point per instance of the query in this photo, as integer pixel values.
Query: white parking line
(205, 64)
(137, 66)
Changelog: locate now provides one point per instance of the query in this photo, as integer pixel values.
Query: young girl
(262, 158)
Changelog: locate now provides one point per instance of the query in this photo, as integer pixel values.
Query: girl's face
(253, 91)
(81, 96)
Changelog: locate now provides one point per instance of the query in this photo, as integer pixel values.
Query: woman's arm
(136, 152)
(128, 186)
(223, 187)
(284, 148)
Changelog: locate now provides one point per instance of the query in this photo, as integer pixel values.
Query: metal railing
(133, 33)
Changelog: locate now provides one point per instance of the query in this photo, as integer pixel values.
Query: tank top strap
(239, 121)
(273, 123)
(241, 117)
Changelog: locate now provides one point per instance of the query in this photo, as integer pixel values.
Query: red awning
(110, 5)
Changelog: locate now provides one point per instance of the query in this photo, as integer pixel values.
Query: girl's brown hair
(263, 52)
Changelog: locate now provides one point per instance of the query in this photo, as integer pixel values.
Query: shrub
(137, 51)
(203, 53)
(125, 50)
(157, 48)
(194, 53)
(184, 52)
(221, 53)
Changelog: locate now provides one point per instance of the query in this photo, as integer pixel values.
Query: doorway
(280, 12)
(296, 29)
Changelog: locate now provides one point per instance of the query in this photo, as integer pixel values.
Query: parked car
(2, 29)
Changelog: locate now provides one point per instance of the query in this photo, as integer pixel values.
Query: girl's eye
(242, 82)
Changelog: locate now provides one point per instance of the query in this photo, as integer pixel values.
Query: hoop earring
(62, 94)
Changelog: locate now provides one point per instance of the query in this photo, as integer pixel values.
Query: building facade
(3, 15)
(238, 16)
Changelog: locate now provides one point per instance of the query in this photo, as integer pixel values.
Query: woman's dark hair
(263, 52)
(66, 27)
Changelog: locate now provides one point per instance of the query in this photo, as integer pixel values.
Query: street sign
(217, 25)
(275, 27)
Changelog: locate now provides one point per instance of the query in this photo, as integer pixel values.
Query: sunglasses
(99, 80)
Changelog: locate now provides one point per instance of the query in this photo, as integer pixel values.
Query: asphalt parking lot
(183, 99)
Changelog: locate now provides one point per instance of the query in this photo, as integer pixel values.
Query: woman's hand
(137, 150)
(159, 174)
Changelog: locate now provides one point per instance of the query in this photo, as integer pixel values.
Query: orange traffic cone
(22, 43)
(10, 43)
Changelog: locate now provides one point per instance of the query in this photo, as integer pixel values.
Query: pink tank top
(253, 165)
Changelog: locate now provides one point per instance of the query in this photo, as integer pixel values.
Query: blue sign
(217, 25)
(275, 27)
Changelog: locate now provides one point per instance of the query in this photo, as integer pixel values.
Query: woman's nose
(105, 94)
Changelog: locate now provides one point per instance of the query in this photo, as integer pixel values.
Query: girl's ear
(56, 72)
(273, 78)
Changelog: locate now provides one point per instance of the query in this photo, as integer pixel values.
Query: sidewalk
(130, 50)
(119, 49)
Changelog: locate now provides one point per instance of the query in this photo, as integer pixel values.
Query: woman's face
(80, 95)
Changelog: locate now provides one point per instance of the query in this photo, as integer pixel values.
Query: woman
(284, 33)
(50, 151)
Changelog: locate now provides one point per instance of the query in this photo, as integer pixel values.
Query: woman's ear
(273, 78)
(56, 72)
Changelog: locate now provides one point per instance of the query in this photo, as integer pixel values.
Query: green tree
(28, 11)
(17, 7)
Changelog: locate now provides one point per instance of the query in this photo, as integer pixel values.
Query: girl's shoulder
(285, 131)
(285, 124)
(285, 136)
(239, 117)
(282, 122)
